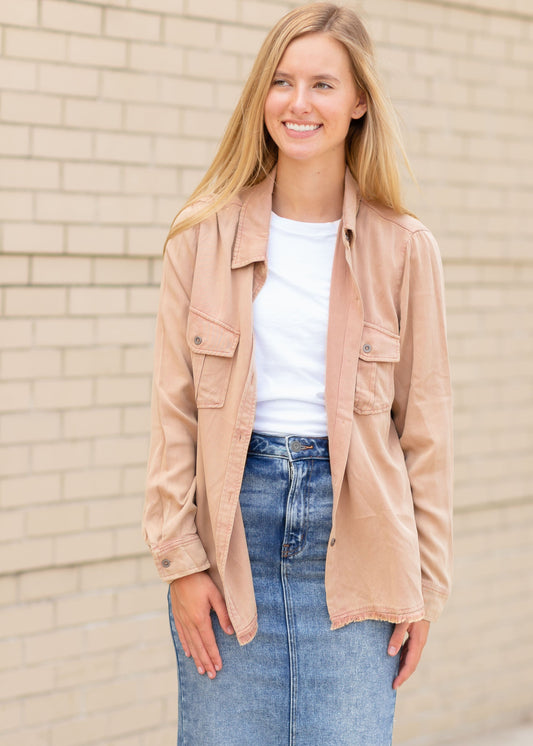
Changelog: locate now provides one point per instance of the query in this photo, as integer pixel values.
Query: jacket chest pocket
(212, 344)
(374, 385)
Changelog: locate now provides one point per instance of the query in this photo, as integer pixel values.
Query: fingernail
(217, 667)
(200, 669)
(211, 674)
(392, 650)
(230, 630)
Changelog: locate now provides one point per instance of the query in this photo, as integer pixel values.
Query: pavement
(520, 735)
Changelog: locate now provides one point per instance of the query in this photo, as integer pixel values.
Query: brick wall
(109, 113)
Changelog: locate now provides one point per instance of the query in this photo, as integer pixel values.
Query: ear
(360, 107)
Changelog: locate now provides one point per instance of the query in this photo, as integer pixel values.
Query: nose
(300, 103)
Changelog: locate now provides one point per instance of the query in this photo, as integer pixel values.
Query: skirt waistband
(292, 447)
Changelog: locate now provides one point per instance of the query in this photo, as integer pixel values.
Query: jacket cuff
(434, 601)
(175, 560)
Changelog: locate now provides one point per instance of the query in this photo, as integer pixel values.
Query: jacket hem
(246, 634)
(394, 617)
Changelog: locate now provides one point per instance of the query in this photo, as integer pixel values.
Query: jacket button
(367, 348)
(332, 542)
(197, 340)
(165, 563)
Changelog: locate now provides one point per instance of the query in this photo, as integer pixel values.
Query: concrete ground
(515, 736)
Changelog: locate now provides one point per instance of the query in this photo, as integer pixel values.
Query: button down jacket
(387, 397)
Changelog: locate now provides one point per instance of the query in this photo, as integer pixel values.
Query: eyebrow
(325, 76)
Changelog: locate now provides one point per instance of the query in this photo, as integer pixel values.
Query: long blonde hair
(247, 153)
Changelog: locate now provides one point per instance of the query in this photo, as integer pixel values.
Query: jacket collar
(251, 240)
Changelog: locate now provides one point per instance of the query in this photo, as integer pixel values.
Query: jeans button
(296, 446)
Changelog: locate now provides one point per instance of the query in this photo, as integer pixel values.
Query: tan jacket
(388, 404)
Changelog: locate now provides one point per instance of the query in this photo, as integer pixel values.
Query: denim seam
(305, 522)
(306, 504)
(287, 508)
(293, 672)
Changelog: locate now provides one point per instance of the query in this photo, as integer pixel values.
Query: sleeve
(422, 414)
(169, 525)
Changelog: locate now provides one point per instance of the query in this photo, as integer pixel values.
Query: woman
(299, 486)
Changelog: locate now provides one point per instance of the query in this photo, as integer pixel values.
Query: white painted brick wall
(109, 113)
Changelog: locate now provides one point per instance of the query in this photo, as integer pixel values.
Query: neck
(307, 192)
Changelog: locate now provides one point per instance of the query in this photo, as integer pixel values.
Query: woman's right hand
(192, 598)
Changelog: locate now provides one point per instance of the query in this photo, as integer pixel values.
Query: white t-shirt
(290, 327)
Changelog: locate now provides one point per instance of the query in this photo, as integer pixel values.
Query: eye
(323, 86)
(280, 82)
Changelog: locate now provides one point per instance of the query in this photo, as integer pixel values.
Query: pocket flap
(379, 344)
(209, 336)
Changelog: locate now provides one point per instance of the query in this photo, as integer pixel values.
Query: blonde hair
(247, 153)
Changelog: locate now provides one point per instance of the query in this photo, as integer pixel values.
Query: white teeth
(301, 127)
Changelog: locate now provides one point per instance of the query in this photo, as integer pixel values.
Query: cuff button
(165, 563)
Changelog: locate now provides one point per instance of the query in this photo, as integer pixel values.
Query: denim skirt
(297, 683)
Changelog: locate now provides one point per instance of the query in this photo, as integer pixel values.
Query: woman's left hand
(411, 650)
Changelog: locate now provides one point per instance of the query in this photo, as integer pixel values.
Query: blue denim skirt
(297, 683)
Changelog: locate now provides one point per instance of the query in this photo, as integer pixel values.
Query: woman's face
(312, 100)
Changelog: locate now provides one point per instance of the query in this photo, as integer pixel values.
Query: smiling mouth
(301, 127)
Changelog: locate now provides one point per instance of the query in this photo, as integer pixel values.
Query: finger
(203, 644)
(408, 664)
(201, 657)
(221, 610)
(397, 638)
(210, 646)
